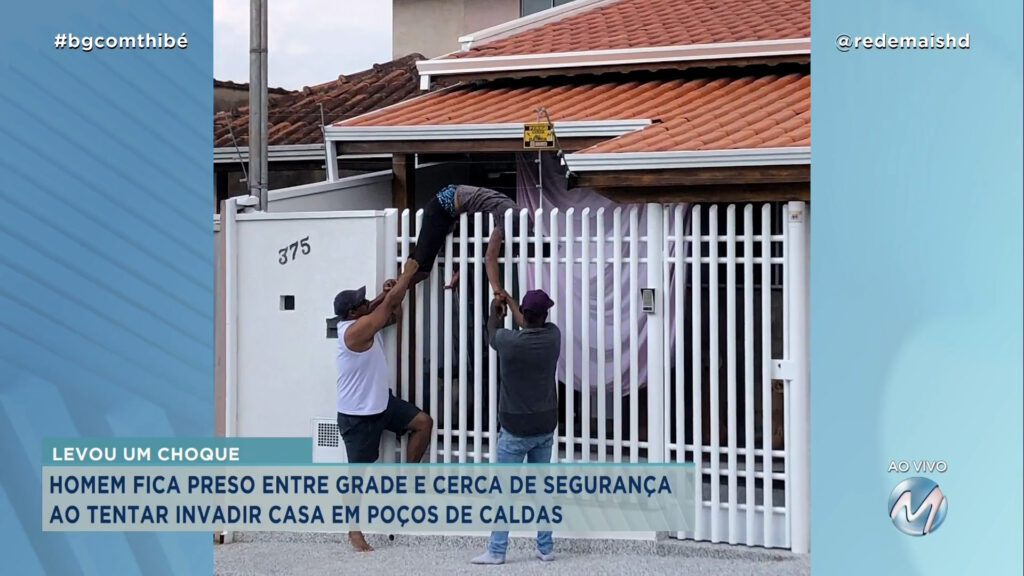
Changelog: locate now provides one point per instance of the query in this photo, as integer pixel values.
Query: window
(527, 7)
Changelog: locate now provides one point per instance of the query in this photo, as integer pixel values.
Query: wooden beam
(362, 164)
(694, 177)
(455, 146)
(722, 193)
(403, 183)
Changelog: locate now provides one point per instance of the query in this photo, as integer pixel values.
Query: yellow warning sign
(538, 135)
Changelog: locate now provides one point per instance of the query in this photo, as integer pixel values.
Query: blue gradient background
(106, 261)
(916, 293)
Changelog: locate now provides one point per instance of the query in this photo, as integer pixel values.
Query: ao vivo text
(918, 466)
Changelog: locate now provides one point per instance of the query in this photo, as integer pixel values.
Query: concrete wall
(219, 318)
(433, 27)
(365, 192)
(279, 178)
(286, 373)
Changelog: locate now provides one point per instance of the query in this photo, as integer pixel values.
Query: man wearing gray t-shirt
(527, 395)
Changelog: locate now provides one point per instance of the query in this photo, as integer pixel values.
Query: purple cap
(536, 301)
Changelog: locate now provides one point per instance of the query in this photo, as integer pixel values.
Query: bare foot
(359, 542)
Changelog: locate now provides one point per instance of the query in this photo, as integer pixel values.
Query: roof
(651, 23)
(713, 113)
(231, 85)
(296, 119)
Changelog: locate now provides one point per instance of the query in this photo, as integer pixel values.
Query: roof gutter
(617, 57)
(518, 25)
(566, 129)
(684, 159)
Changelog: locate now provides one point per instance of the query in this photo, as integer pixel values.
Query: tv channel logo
(917, 506)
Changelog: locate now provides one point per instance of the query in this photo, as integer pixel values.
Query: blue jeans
(513, 449)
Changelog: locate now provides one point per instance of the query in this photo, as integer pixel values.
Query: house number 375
(289, 252)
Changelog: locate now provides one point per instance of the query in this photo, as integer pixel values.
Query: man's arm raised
(513, 306)
(491, 259)
(359, 336)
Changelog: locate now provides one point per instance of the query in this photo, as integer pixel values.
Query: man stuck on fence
(527, 396)
(365, 405)
(441, 215)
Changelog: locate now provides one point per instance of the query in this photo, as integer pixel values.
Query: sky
(309, 41)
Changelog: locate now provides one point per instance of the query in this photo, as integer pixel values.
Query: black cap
(346, 300)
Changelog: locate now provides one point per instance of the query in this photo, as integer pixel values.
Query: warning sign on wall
(538, 135)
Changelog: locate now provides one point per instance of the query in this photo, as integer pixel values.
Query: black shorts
(437, 223)
(361, 434)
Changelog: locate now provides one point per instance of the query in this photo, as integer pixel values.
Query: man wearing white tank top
(365, 405)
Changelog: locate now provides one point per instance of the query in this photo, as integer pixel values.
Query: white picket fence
(722, 386)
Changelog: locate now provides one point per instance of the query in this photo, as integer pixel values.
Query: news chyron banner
(271, 484)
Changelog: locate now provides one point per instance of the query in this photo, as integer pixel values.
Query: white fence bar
(655, 335)
(569, 344)
(658, 343)
(492, 385)
(420, 332)
(679, 381)
(748, 367)
(524, 221)
(785, 384)
(480, 289)
(767, 463)
(730, 367)
(785, 282)
(405, 327)
(463, 357)
(787, 438)
(585, 330)
(667, 250)
(553, 312)
(634, 336)
(698, 373)
(538, 251)
(447, 349)
(617, 331)
(713, 319)
(391, 224)
(433, 287)
(602, 383)
(798, 448)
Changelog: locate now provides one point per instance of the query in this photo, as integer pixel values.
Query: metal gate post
(799, 390)
(656, 399)
(229, 228)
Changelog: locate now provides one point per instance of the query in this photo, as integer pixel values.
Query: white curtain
(555, 195)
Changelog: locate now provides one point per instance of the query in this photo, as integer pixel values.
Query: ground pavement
(329, 554)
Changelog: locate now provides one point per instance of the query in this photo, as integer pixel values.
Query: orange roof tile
(649, 23)
(295, 119)
(689, 114)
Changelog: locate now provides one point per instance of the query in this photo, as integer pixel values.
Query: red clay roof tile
(295, 119)
(649, 23)
(692, 114)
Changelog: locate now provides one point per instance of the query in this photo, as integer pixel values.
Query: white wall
(364, 192)
(433, 27)
(286, 374)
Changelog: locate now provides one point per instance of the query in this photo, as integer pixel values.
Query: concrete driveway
(329, 554)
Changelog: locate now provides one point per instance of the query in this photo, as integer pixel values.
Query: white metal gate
(716, 374)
